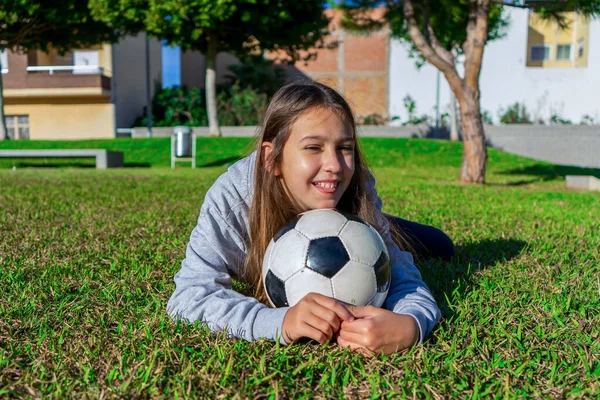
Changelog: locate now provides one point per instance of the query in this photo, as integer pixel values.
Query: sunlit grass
(88, 256)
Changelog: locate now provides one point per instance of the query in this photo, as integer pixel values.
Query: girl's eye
(347, 148)
(312, 148)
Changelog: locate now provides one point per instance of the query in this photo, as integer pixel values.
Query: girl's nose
(332, 161)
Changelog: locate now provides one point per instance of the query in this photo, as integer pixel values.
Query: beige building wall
(67, 121)
(129, 77)
(548, 33)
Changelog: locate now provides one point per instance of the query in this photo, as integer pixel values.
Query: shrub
(556, 119)
(257, 73)
(411, 108)
(177, 106)
(241, 107)
(515, 114)
(587, 120)
(372, 119)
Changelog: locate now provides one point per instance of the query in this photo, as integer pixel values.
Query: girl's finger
(319, 324)
(309, 331)
(335, 306)
(354, 347)
(353, 337)
(328, 316)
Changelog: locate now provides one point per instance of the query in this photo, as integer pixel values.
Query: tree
(439, 31)
(240, 27)
(27, 25)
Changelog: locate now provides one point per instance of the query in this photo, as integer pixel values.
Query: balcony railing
(76, 69)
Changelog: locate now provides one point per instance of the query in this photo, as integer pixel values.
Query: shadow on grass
(137, 165)
(546, 172)
(221, 162)
(455, 278)
(72, 165)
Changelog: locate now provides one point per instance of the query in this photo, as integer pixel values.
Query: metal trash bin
(183, 141)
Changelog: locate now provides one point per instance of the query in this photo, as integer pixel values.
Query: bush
(372, 119)
(177, 106)
(411, 108)
(515, 114)
(257, 73)
(556, 119)
(241, 107)
(241, 102)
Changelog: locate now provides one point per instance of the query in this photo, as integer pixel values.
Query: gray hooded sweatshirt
(217, 250)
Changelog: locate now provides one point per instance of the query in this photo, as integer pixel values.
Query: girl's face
(317, 163)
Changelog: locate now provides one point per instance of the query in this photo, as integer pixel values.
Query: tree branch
(439, 49)
(477, 30)
(448, 69)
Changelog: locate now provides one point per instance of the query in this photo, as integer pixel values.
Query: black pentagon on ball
(383, 272)
(276, 289)
(327, 256)
(291, 224)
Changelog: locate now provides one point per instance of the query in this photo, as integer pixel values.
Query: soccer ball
(328, 252)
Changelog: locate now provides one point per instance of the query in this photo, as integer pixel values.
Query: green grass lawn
(87, 259)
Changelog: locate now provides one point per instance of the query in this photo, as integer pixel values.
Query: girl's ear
(267, 149)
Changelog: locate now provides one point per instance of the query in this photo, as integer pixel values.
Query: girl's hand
(377, 330)
(315, 316)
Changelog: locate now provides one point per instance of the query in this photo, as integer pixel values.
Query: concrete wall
(129, 77)
(67, 121)
(505, 79)
(565, 145)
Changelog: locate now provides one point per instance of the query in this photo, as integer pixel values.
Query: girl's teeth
(327, 185)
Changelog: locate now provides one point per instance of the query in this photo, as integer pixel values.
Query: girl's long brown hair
(271, 206)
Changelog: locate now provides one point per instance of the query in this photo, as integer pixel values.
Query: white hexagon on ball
(355, 284)
(304, 282)
(364, 245)
(288, 256)
(321, 223)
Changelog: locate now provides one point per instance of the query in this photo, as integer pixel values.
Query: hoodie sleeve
(408, 294)
(204, 284)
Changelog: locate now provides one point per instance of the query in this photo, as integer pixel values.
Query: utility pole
(148, 92)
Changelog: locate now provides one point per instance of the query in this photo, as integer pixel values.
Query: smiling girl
(306, 157)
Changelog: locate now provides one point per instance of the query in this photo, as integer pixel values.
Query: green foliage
(556, 119)
(257, 73)
(60, 24)
(372, 119)
(177, 106)
(241, 107)
(240, 27)
(183, 106)
(515, 114)
(587, 120)
(410, 105)
(486, 117)
(448, 18)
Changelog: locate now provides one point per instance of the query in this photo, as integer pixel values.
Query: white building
(551, 71)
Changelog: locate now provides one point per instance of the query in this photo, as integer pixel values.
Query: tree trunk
(211, 85)
(453, 120)
(3, 130)
(475, 150)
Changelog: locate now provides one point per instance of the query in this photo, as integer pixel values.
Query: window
(17, 126)
(580, 48)
(540, 52)
(563, 52)
(4, 61)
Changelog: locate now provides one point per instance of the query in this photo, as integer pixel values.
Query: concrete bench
(104, 158)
